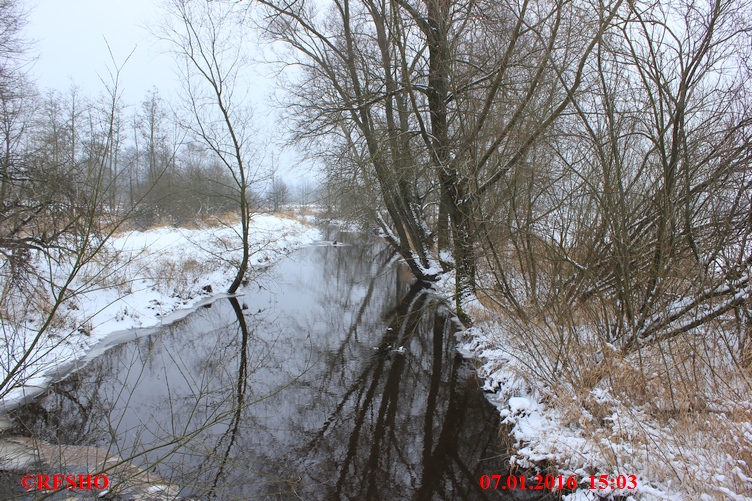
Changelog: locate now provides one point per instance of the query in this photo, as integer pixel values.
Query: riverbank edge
(275, 237)
(550, 432)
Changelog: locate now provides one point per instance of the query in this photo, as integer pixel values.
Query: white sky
(71, 49)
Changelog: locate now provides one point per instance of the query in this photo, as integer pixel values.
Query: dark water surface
(297, 390)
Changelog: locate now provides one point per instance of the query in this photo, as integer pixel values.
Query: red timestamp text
(621, 482)
(558, 482)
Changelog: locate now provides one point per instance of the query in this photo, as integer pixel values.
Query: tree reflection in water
(340, 382)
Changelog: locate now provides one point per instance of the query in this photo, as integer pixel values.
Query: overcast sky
(70, 46)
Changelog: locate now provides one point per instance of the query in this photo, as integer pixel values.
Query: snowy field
(139, 280)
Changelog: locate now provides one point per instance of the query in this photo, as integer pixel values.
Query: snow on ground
(140, 279)
(606, 429)
(672, 459)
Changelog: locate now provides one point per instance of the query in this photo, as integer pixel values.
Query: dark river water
(332, 378)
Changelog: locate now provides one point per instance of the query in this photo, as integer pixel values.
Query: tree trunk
(454, 197)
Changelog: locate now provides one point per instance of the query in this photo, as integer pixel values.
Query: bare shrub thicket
(620, 248)
(633, 218)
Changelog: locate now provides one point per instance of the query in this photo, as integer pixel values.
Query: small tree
(278, 194)
(211, 52)
(306, 192)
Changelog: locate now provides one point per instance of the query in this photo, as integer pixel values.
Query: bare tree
(278, 194)
(57, 225)
(211, 52)
(435, 102)
(305, 192)
(153, 155)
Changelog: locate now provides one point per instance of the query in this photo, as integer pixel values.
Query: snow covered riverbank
(612, 415)
(136, 282)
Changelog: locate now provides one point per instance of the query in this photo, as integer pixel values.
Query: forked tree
(434, 103)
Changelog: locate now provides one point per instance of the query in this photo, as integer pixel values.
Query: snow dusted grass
(677, 415)
(134, 282)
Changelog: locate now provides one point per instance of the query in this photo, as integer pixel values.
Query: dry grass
(677, 412)
(182, 278)
(191, 223)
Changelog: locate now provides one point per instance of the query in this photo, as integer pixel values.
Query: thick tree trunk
(454, 197)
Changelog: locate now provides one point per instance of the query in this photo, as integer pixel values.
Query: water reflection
(335, 378)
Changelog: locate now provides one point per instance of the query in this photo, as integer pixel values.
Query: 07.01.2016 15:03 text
(551, 482)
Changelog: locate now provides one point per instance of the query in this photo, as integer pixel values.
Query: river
(332, 377)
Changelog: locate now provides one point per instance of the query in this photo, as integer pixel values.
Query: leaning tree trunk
(454, 197)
